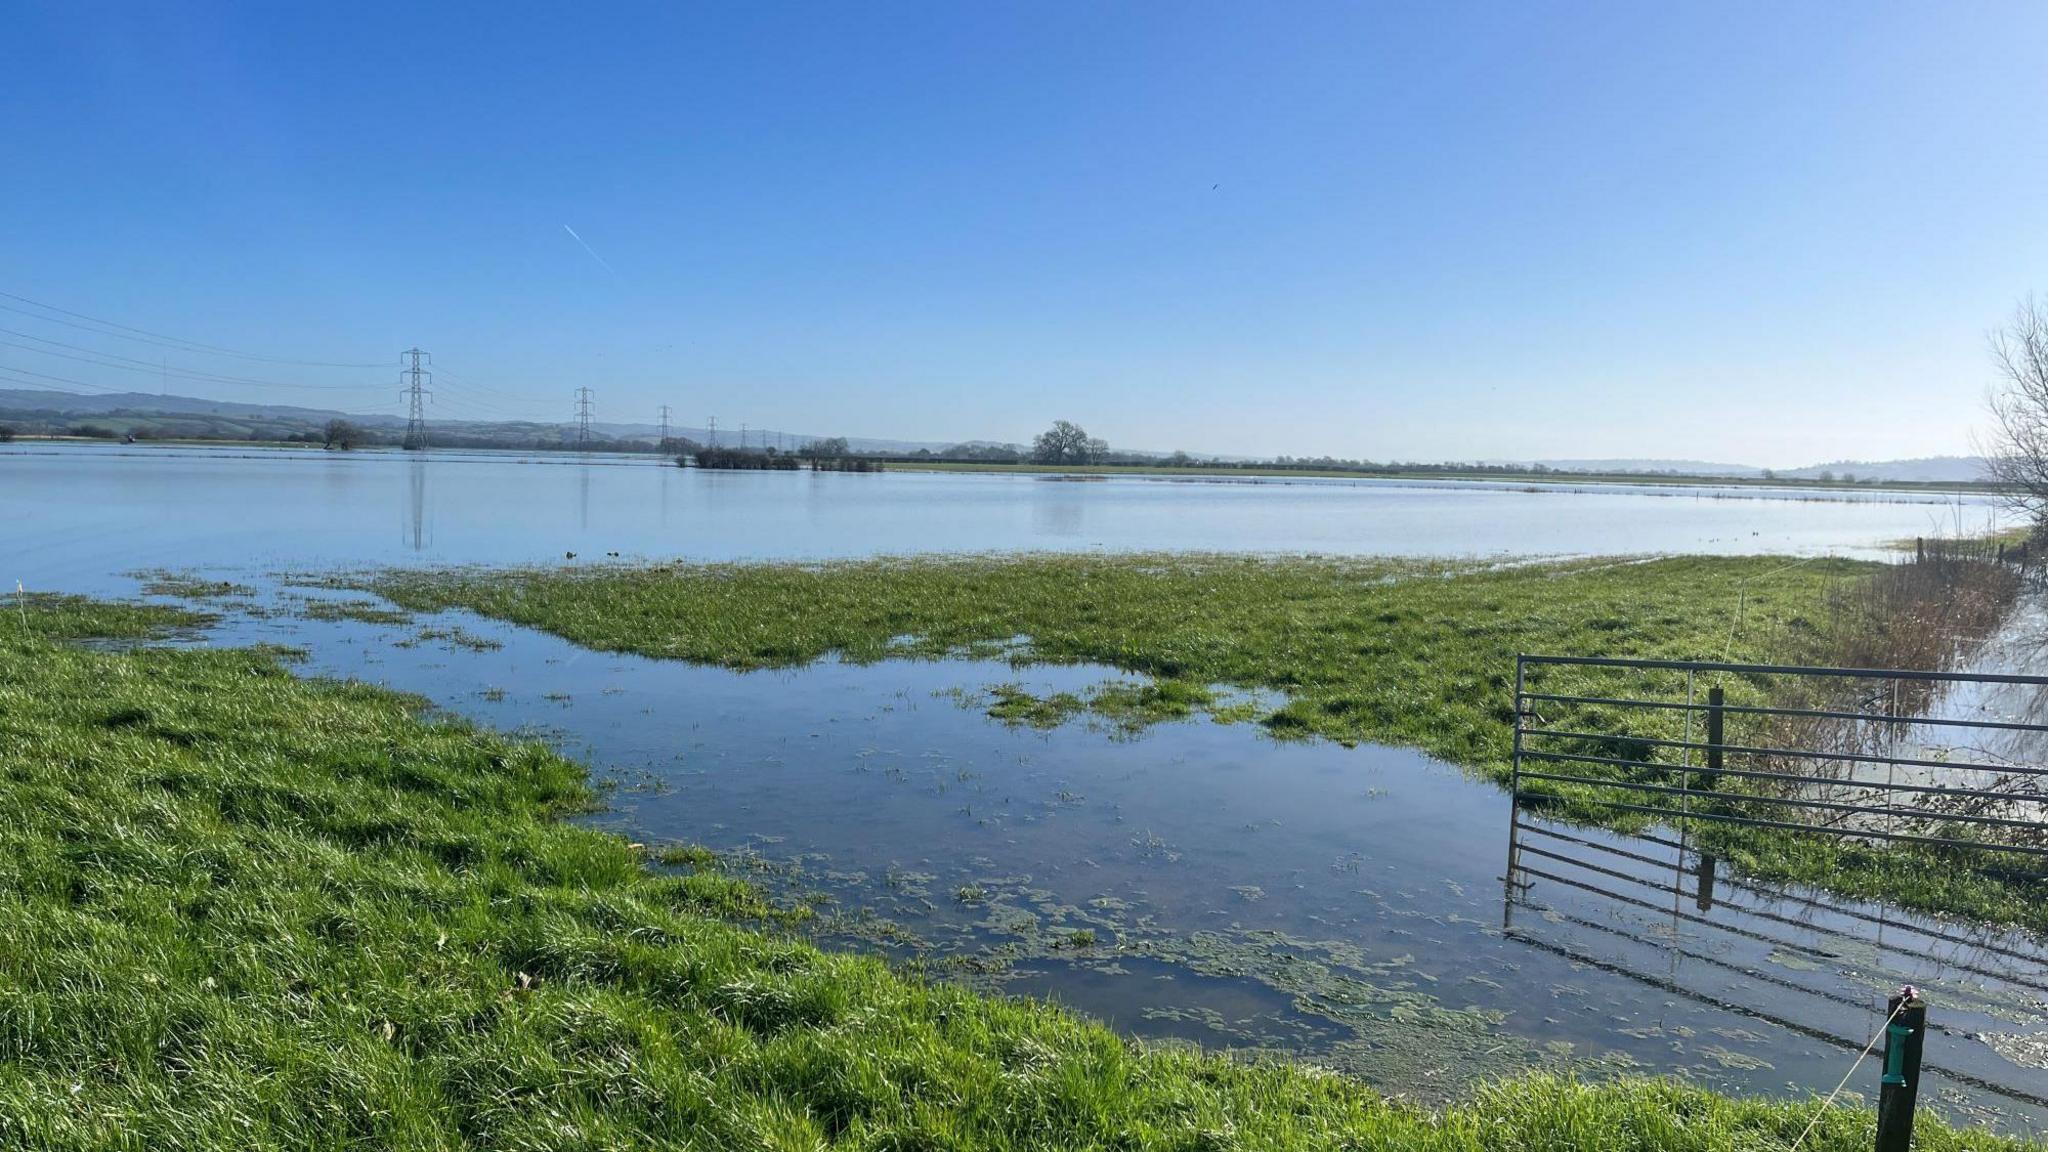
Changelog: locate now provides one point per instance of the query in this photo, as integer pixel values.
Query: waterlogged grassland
(240, 910)
(1400, 652)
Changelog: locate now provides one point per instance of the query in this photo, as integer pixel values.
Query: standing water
(1196, 882)
(77, 512)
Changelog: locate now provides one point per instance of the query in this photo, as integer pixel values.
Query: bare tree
(1066, 443)
(2017, 454)
(341, 434)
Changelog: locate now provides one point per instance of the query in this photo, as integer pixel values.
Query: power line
(499, 410)
(665, 437)
(583, 419)
(444, 376)
(130, 364)
(412, 389)
(189, 349)
(129, 332)
(100, 389)
(91, 389)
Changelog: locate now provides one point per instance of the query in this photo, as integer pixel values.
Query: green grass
(1404, 652)
(243, 911)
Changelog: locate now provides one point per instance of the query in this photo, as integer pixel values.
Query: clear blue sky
(1774, 233)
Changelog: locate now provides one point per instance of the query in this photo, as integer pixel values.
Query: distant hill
(70, 404)
(1938, 469)
(1681, 467)
(189, 416)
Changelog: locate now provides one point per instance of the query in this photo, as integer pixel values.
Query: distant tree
(1180, 460)
(94, 432)
(1848, 477)
(6, 434)
(744, 460)
(1770, 474)
(829, 448)
(2017, 452)
(341, 435)
(1066, 443)
(1826, 476)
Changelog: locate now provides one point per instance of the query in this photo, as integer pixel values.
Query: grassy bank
(239, 910)
(1401, 652)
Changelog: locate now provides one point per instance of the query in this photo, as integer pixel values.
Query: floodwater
(1195, 882)
(95, 509)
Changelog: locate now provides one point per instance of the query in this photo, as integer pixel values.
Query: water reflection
(1653, 910)
(416, 505)
(1057, 508)
(336, 508)
(583, 497)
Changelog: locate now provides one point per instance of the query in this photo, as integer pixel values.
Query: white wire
(1858, 1063)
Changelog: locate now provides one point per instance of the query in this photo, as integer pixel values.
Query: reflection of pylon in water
(419, 504)
(583, 419)
(413, 381)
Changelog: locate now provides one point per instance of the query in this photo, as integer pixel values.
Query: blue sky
(1772, 233)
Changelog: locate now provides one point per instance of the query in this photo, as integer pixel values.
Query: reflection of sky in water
(77, 514)
(2019, 648)
(1204, 882)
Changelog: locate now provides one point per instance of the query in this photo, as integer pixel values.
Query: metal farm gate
(1634, 779)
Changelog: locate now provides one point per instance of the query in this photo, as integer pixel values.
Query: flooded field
(1203, 882)
(1195, 882)
(77, 512)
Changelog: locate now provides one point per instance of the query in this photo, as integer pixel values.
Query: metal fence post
(1900, 1089)
(1717, 699)
(1507, 911)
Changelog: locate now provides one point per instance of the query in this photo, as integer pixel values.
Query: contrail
(593, 252)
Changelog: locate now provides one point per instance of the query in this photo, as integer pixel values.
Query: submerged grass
(239, 910)
(1404, 652)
